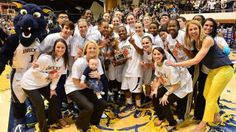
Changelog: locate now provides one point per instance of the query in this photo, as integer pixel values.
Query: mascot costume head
(29, 24)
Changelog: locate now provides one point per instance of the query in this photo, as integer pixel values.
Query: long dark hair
(202, 18)
(147, 37)
(66, 54)
(214, 29)
(162, 51)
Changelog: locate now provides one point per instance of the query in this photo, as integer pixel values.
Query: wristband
(167, 93)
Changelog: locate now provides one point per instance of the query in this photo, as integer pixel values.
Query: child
(93, 83)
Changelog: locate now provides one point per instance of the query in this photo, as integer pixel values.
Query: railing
(210, 11)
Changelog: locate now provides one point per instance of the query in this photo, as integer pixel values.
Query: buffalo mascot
(20, 50)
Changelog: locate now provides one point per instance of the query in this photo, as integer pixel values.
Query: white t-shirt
(77, 42)
(95, 36)
(168, 55)
(77, 71)
(170, 75)
(181, 56)
(220, 41)
(132, 66)
(92, 28)
(157, 41)
(138, 40)
(129, 29)
(47, 44)
(147, 73)
(211, 4)
(36, 78)
(24, 56)
(22, 61)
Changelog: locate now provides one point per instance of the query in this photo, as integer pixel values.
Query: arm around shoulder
(205, 47)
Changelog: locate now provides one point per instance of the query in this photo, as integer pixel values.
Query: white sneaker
(102, 93)
(104, 116)
(99, 96)
(19, 128)
(109, 93)
(179, 121)
(170, 128)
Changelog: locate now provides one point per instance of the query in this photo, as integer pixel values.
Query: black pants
(39, 108)
(182, 104)
(164, 112)
(60, 90)
(182, 107)
(91, 108)
(104, 81)
(115, 87)
(200, 100)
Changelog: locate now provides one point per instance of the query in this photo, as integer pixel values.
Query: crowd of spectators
(6, 28)
(190, 6)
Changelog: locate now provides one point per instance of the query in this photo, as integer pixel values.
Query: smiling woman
(42, 81)
(209, 54)
(176, 43)
(176, 84)
(91, 107)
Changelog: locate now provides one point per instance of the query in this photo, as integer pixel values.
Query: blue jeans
(95, 85)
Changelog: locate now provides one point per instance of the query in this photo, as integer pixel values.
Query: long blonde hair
(86, 46)
(188, 41)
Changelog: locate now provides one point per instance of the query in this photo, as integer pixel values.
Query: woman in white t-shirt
(42, 81)
(91, 108)
(153, 29)
(176, 41)
(147, 63)
(180, 51)
(176, 82)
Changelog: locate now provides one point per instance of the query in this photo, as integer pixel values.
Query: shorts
(134, 84)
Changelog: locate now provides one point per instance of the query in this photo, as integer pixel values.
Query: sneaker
(179, 121)
(66, 113)
(170, 128)
(127, 108)
(75, 114)
(19, 128)
(64, 106)
(102, 93)
(110, 93)
(148, 113)
(31, 119)
(137, 113)
(55, 126)
(81, 130)
(104, 116)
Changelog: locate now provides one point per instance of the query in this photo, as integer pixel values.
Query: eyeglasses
(63, 17)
